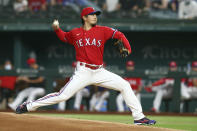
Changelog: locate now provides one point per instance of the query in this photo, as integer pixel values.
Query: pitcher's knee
(126, 86)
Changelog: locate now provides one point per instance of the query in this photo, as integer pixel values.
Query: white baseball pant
(120, 101)
(78, 98)
(83, 77)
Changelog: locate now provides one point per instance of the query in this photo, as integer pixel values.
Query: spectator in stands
(160, 4)
(135, 83)
(73, 4)
(99, 3)
(163, 88)
(187, 9)
(165, 4)
(174, 4)
(20, 6)
(111, 5)
(125, 6)
(53, 2)
(147, 5)
(37, 5)
(98, 99)
(4, 2)
(64, 3)
(35, 86)
(133, 8)
(76, 5)
(85, 3)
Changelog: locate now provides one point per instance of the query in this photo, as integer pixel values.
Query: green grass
(173, 122)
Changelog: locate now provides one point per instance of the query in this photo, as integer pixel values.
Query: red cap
(74, 64)
(172, 64)
(194, 64)
(130, 63)
(89, 11)
(31, 61)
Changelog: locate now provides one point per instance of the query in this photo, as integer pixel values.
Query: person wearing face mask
(8, 65)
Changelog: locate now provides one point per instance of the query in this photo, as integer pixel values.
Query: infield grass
(173, 122)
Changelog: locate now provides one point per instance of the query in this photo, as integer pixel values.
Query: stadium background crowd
(174, 9)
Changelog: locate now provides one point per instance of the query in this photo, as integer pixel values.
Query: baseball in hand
(55, 24)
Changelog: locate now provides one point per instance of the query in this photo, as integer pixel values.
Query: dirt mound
(26, 122)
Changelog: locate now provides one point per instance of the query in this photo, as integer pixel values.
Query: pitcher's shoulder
(77, 29)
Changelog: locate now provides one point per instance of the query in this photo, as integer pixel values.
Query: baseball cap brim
(95, 12)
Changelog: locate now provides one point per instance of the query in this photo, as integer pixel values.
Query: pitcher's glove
(121, 49)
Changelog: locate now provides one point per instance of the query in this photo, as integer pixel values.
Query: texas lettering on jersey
(94, 42)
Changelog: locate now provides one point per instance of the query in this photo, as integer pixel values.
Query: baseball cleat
(144, 121)
(22, 108)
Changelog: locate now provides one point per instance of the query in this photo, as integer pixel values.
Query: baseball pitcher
(89, 41)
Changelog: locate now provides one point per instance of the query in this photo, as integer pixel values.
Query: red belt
(91, 67)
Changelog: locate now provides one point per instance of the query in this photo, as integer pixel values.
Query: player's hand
(55, 25)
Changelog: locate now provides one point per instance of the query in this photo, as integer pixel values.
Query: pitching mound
(26, 122)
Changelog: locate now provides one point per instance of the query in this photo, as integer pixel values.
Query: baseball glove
(121, 49)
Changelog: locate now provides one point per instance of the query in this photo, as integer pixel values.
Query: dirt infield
(26, 122)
